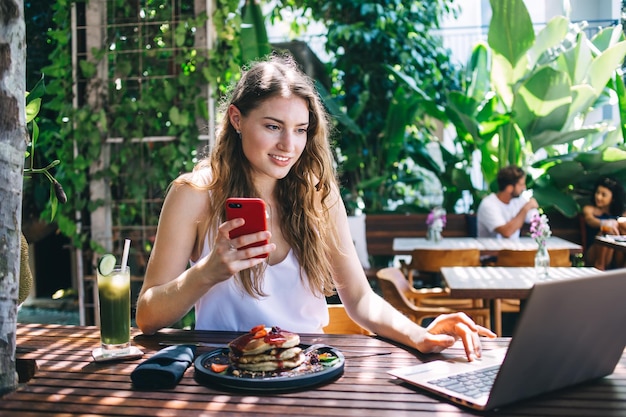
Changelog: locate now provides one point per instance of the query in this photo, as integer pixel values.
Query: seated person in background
(503, 214)
(607, 205)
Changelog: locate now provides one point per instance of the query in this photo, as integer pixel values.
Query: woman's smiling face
(274, 134)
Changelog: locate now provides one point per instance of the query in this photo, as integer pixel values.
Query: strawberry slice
(218, 368)
(257, 328)
(259, 334)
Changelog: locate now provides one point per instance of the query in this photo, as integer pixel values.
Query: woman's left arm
(374, 313)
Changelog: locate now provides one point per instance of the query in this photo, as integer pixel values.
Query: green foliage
(364, 38)
(513, 32)
(522, 98)
(525, 99)
(376, 145)
(33, 105)
(254, 42)
(140, 104)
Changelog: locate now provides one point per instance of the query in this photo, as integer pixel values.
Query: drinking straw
(125, 254)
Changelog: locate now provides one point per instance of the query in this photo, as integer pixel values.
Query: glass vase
(433, 234)
(542, 261)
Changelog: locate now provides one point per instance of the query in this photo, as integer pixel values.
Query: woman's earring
(239, 133)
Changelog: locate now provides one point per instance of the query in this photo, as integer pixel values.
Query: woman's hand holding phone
(253, 211)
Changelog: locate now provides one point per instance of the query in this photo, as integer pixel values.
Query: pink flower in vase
(540, 229)
(436, 218)
(436, 221)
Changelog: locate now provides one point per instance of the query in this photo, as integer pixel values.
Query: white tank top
(288, 304)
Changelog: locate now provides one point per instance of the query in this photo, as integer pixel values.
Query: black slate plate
(295, 379)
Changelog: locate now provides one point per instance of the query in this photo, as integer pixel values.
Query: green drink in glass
(114, 297)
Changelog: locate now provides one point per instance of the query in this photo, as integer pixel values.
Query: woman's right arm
(170, 289)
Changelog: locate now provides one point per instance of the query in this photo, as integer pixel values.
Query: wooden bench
(382, 229)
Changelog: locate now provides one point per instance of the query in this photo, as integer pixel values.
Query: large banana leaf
(401, 114)
(620, 89)
(551, 137)
(549, 37)
(550, 196)
(335, 110)
(254, 41)
(462, 111)
(478, 72)
(576, 61)
(608, 37)
(511, 31)
(542, 102)
(603, 67)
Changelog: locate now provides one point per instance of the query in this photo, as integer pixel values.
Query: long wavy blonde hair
(302, 196)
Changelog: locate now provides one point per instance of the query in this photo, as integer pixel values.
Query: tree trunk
(13, 138)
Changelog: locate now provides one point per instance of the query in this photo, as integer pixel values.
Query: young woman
(272, 144)
(607, 205)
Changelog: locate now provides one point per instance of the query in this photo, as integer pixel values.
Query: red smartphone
(253, 211)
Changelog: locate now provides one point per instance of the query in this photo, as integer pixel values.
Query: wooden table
(485, 244)
(69, 383)
(497, 282)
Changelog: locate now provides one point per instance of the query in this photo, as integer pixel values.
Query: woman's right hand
(227, 259)
(447, 328)
(609, 227)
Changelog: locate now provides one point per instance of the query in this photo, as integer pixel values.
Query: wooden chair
(511, 257)
(341, 323)
(430, 261)
(395, 289)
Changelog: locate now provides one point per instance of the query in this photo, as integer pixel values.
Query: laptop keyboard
(472, 384)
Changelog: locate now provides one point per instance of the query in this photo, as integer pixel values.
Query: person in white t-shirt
(503, 214)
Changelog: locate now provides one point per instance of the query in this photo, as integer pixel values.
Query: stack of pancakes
(266, 350)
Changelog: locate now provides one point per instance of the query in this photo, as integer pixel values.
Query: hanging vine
(172, 106)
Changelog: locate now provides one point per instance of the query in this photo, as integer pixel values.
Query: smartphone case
(253, 211)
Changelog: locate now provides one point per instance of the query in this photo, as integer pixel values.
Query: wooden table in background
(613, 242)
(498, 282)
(486, 245)
(69, 383)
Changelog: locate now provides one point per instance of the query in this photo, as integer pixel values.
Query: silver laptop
(570, 331)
